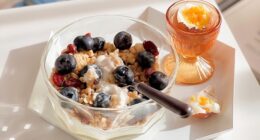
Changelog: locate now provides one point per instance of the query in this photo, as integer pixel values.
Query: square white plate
(223, 81)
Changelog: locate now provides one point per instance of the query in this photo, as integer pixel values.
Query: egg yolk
(197, 15)
(203, 100)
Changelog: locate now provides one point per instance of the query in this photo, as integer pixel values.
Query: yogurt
(108, 63)
(118, 94)
(91, 75)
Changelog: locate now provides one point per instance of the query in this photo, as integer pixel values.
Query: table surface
(22, 42)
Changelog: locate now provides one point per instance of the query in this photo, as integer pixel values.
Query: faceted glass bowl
(85, 121)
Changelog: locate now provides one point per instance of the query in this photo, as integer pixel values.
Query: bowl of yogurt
(89, 67)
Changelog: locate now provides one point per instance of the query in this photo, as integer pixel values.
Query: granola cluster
(129, 58)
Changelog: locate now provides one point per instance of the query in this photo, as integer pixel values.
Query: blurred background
(243, 17)
(4, 4)
(224, 4)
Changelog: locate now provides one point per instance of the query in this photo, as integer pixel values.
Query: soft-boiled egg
(204, 103)
(194, 16)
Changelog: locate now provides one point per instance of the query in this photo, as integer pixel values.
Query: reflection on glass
(4, 128)
(51, 127)
(16, 109)
(27, 126)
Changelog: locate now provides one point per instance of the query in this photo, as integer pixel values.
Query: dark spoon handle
(173, 104)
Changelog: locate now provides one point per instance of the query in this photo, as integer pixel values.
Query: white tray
(222, 80)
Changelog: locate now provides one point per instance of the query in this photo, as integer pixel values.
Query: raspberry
(58, 79)
(71, 49)
(149, 71)
(88, 34)
(149, 46)
(85, 120)
(72, 82)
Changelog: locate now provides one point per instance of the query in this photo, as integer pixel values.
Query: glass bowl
(85, 121)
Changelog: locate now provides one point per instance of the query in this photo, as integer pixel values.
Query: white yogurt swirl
(108, 63)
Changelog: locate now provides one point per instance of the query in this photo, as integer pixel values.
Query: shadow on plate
(16, 83)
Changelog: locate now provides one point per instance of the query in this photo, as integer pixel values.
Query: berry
(86, 68)
(158, 80)
(99, 43)
(102, 100)
(136, 101)
(148, 72)
(85, 119)
(123, 40)
(58, 79)
(145, 59)
(65, 63)
(72, 82)
(149, 46)
(70, 92)
(71, 49)
(123, 76)
(88, 34)
(84, 43)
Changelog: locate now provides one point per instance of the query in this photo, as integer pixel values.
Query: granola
(102, 74)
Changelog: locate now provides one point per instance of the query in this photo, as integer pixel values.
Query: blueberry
(102, 100)
(84, 43)
(145, 59)
(136, 101)
(99, 43)
(123, 40)
(123, 76)
(87, 67)
(65, 63)
(70, 92)
(158, 80)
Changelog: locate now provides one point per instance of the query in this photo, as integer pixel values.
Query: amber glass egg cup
(196, 66)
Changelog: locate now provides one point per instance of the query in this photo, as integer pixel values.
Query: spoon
(173, 104)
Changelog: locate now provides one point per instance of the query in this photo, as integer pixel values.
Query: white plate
(222, 80)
